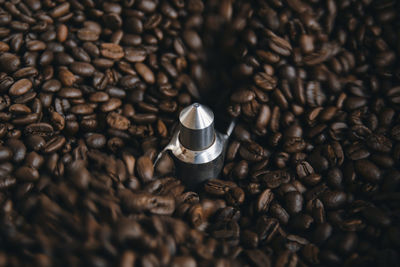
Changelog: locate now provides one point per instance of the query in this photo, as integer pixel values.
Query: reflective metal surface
(197, 149)
(196, 127)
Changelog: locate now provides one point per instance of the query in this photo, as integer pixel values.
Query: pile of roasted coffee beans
(90, 91)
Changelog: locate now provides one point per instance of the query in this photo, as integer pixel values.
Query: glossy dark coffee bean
(20, 87)
(9, 62)
(18, 149)
(294, 202)
(28, 174)
(82, 68)
(78, 174)
(145, 169)
(368, 171)
(95, 140)
(333, 199)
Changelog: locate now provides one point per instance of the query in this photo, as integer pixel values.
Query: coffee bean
(218, 187)
(111, 104)
(192, 39)
(34, 160)
(249, 239)
(78, 174)
(165, 165)
(183, 260)
(7, 182)
(257, 257)
(145, 72)
(9, 62)
(264, 200)
(294, 202)
(252, 152)
(41, 129)
(86, 34)
(20, 87)
(242, 96)
(333, 199)
(54, 144)
(18, 149)
(82, 68)
(81, 109)
(367, 170)
(51, 86)
(135, 54)
(241, 170)
(117, 121)
(265, 81)
(273, 179)
(135, 25)
(145, 169)
(112, 51)
(95, 140)
(35, 142)
(27, 174)
(70, 92)
(5, 154)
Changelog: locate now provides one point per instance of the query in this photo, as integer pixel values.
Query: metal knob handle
(196, 127)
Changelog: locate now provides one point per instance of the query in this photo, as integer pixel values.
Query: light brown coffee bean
(145, 169)
(20, 87)
(112, 51)
(145, 72)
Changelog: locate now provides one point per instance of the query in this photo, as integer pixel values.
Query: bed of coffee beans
(90, 92)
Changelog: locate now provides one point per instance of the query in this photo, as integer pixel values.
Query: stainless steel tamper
(196, 147)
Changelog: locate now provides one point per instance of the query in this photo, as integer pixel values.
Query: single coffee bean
(367, 170)
(78, 174)
(41, 129)
(20, 87)
(111, 104)
(145, 169)
(165, 165)
(9, 62)
(278, 212)
(81, 109)
(34, 160)
(54, 144)
(82, 68)
(95, 140)
(218, 187)
(69, 92)
(112, 51)
(117, 121)
(294, 202)
(333, 199)
(5, 153)
(27, 174)
(18, 149)
(135, 54)
(249, 239)
(86, 34)
(264, 200)
(145, 72)
(35, 142)
(192, 39)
